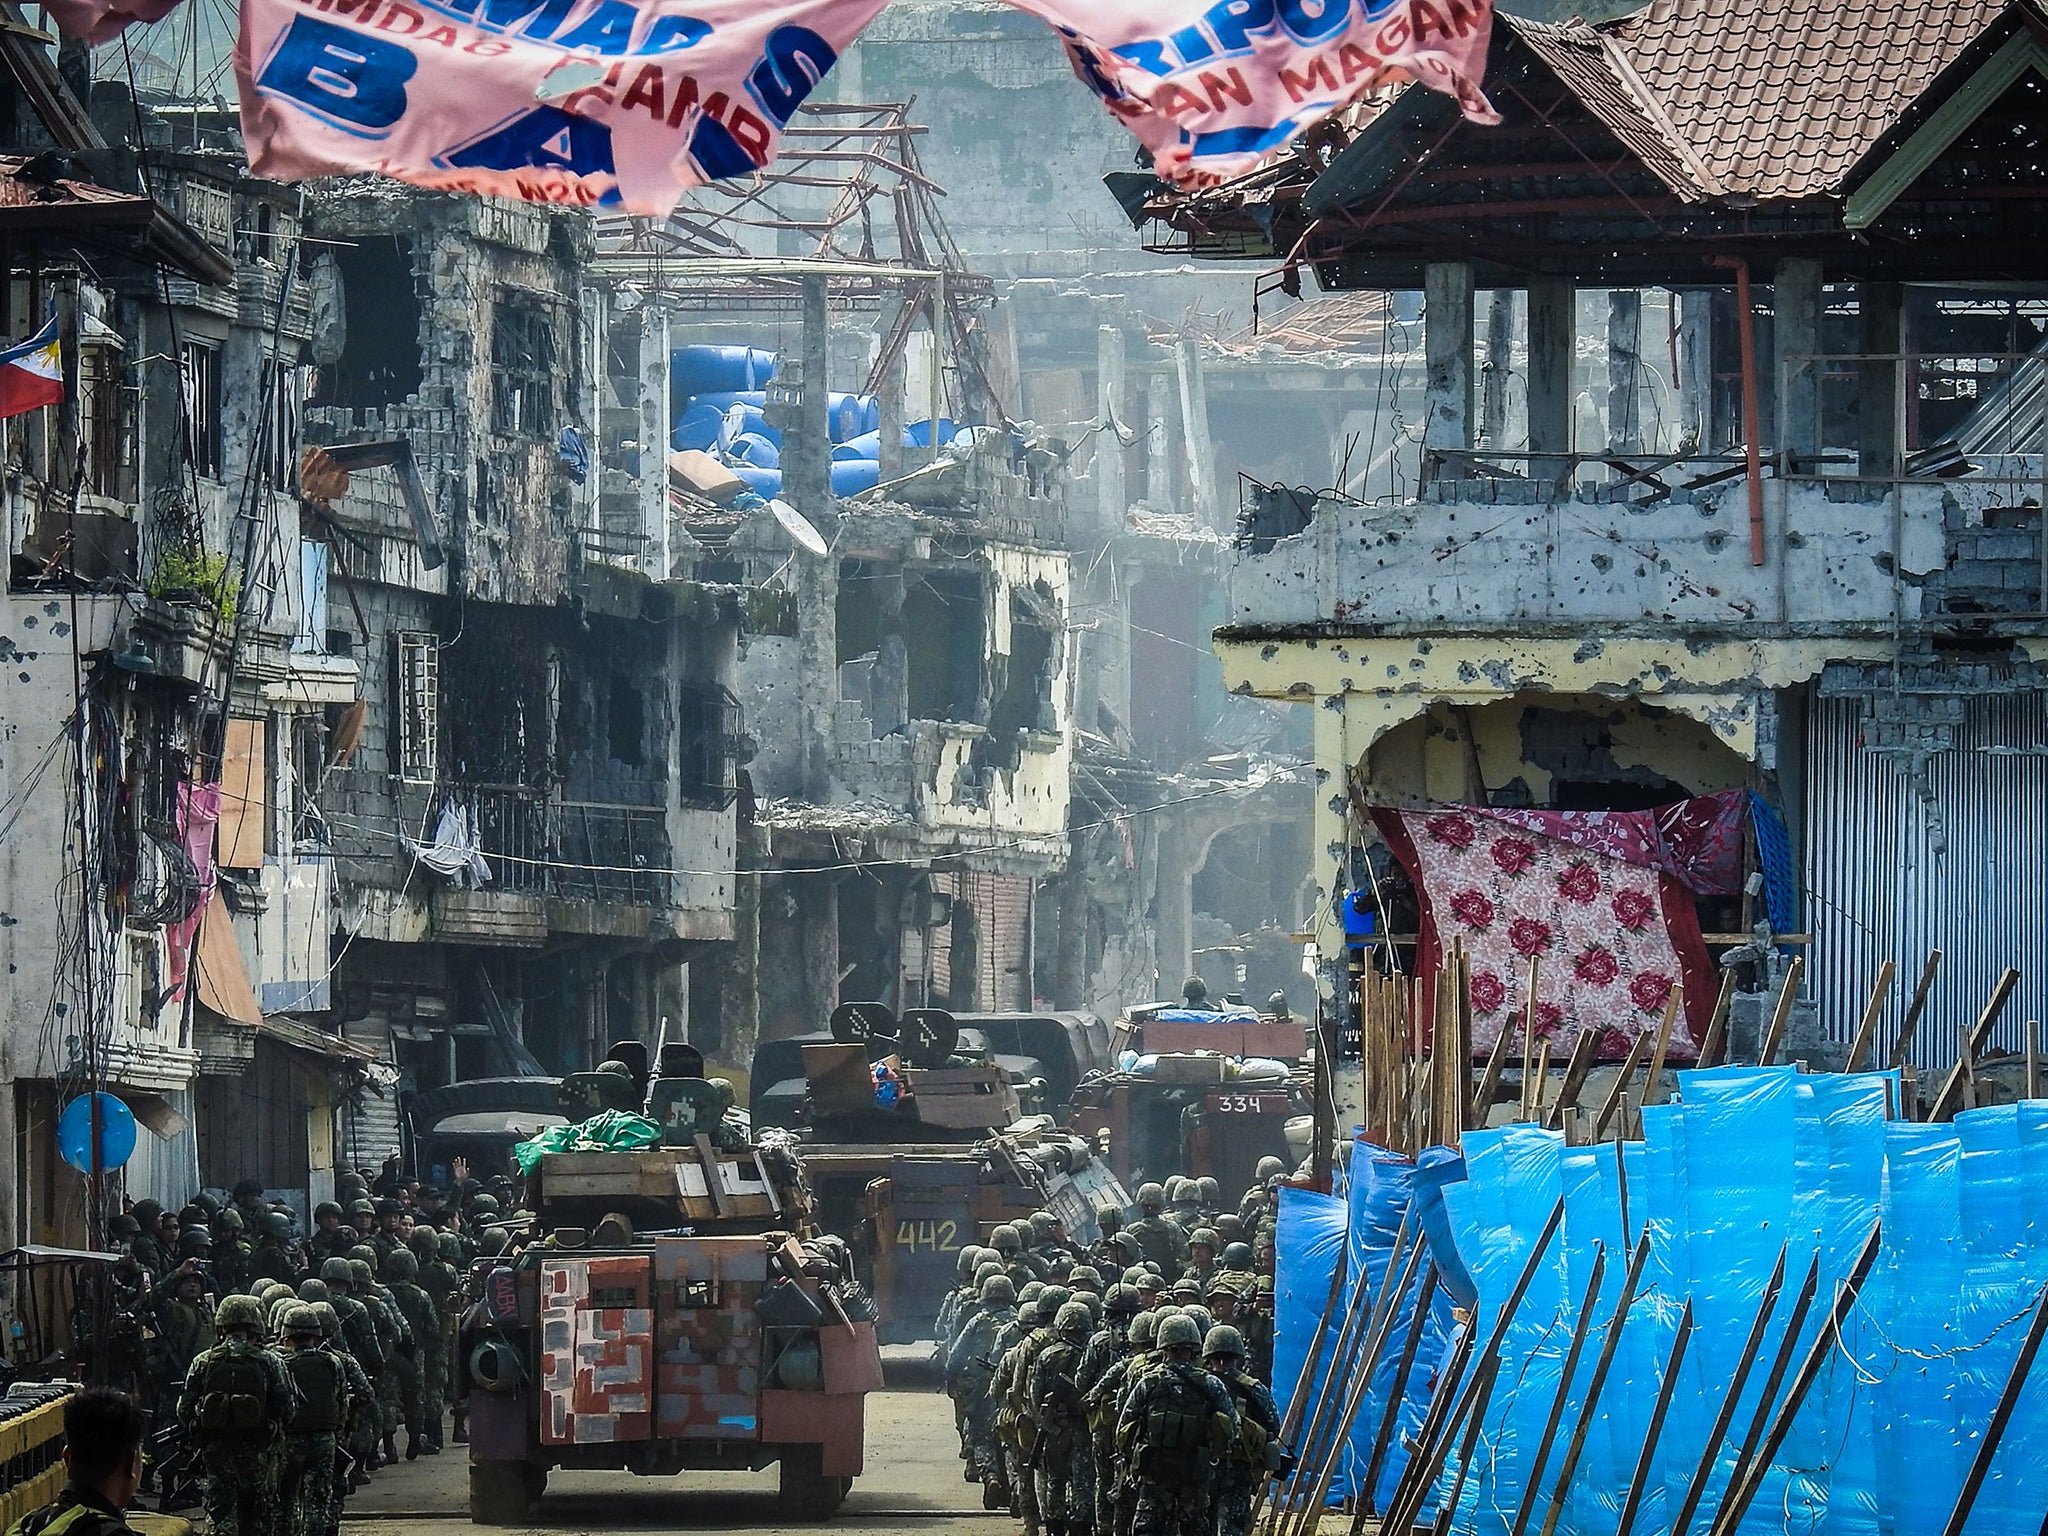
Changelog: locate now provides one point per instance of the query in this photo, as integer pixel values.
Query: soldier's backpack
(234, 1393)
(1176, 1424)
(318, 1380)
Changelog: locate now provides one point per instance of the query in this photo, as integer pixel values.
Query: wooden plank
(1866, 1027)
(1717, 1027)
(709, 1158)
(1781, 1015)
(1902, 1051)
(1950, 1098)
(1674, 1005)
(1637, 1049)
(1584, 1049)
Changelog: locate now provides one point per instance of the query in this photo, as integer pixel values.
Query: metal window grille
(419, 707)
(708, 774)
(201, 363)
(523, 367)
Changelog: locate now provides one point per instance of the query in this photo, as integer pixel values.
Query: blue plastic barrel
(762, 482)
(726, 399)
(918, 434)
(848, 416)
(852, 476)
(752, 448)
(867, 446)
(698, 427)
(700, 369)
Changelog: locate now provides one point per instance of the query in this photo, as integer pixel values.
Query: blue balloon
(117, 1132)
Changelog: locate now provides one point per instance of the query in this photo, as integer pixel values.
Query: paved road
(912, 1482)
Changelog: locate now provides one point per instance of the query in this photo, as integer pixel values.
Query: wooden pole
(1774, 1036)
(1647, 1460)
(1558, 1399)
(2033, 1058)
(1541, 1082)
(1902, 1051)
(2001, 1418)
(1584, 1049)
(1488, 1373)
(1418, 1325)
(1728, 1519)
(1529, 1038)
(1489, 1080)
(1637, 1048)
(1673, 1006)
(1950, 1098)
(1866, 1028)
(1731, 1398)
(1297, 1401)
(1717, 1027)
(1450, 1384)
(1608, 1346)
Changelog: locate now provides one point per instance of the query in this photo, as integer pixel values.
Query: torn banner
(1614, 936)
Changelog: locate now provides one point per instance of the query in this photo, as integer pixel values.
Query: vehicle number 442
(942, 1236)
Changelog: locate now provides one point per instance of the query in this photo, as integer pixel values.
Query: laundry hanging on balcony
(456, 851)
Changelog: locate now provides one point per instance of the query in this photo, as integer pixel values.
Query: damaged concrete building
(1785, 536)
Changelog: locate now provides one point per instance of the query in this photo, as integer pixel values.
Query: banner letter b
(353, 81)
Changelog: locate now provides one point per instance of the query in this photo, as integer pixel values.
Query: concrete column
(1883, 334)
(818, 911)
(807, 445)
(1070, 954)
(1174, 911)
(1553, 329)
(1624, 370)
(654, 436)
(1158, 445)
(1447, 305)
(890, 397)
(1500, 363)
(1795, 338)
(1111, 499)
(1198, 446)
(1694, 366)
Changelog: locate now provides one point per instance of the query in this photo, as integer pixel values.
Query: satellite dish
(799, 528)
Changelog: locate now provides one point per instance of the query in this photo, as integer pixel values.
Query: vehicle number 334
(1240, 1104)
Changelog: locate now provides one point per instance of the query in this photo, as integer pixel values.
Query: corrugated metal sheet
(1951, 859)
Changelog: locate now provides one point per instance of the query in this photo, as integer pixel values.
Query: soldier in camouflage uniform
(1116, 1495)
(970, 1371)
(306, 1485)
(422, 1319)
(1175, 1421)
(438, 1278)
(1162, 1242)
(1015, 1422)
(955, 1312)
(1062, 1454)
(234, 1406)
(232, 1252)
(1255, 1452)
(359, 1334)
(273, 1258)
(362, 1404)
(332, 1235)
(1105, 1348)
(395, 1380)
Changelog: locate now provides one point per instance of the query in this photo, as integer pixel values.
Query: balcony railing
(573, 849)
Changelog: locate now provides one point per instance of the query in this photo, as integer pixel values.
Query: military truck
(666, 1309)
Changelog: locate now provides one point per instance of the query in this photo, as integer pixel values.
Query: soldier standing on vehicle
(1256, 1453)
(306, 1485)
(1175, 1421)
(235, 1405)
(970, 1373)
(1062, 1454)
(1162, 1242)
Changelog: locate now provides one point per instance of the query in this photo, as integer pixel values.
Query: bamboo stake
(1788, 1345)
(2001, 1418)
(1903, 1050)
(1728, 1519)
(1716, 1039)
(1665, 1391)
(1449, 1388)
(1608, 1346)
(1584, 1049)
(1281, 1510)
(1488, 1372)
(1946, 1102)
(1781, 1015)
(1489, 1080)
(1612, 1102)
(1298, 1399)
(1732, 1398)
(1542, 1079)
(1529, 1037)
(1422, 1469)
(1417, 1326)
(1673, 1006)
(1866, 1028)
(1558, 1399)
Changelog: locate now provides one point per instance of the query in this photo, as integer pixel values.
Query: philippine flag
(32, 373)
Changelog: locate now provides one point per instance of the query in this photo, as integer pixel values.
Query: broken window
(287, 389)
(202, 408)
(523, 367)
(1026, 702)
(309, 748)
(626, 722)
(944, 634)
(416, 742)
(105, 421)
(373, 302)
(708, 774)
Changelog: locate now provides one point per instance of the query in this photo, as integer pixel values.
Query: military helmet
(1230, 1228)
(1151, 1199)
(229, 1219)
(1050, 1300)
(1187, 1289)
(1179, 1332)
(1006, 1241)
(190, 1215)
(123, 1228)
(193, 1242)
(325, 1209)
(969, 1261)
(364, 1251)
(484, 1205)
(1127, 1247)
(1207, 1190)
(998, 1290)
(1223, 1340)
(206, 1202)
(277, 1308)
(1121, 1300)
(359, 1271)
(146, 1212)
(982, 1272)
(493, 1241)
(1184, 1194)
(267, 1291)
(1135, 1276)
(1029, 1292)
(451, 1247)
(238, 1312)
(1237, 1256)
(1073, 1323)
(401, 1267)
(1269, 1168)
(1084, 1277)
(1042, 1225)
(361, 1207)
(277, 1225)
(313, 1288)
(425, 1244)
(302, 1322)
(1108, 1218)
(1200, 1316)
(1143, 1328)
(350, 1186)
(248, 1189)
(336, 1271)
(330, 1320)
(1207, 1237)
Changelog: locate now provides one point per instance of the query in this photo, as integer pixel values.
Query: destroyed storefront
(1727, 474)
